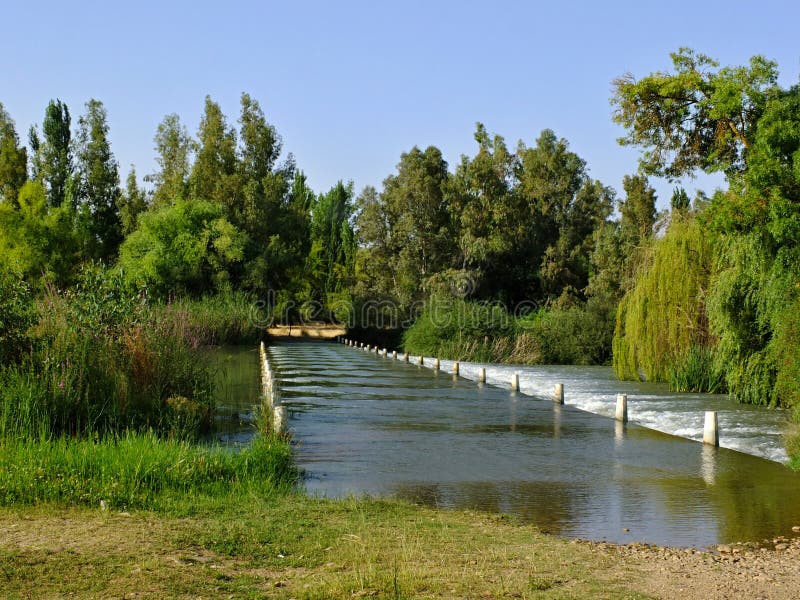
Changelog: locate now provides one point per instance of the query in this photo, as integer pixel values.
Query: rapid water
(750, 429)
(363, 423)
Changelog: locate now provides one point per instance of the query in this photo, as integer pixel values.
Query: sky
(352, 85)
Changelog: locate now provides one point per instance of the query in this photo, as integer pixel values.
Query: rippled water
(363, 423)
(751, 429)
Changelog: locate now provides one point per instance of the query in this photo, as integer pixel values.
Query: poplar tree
(97, 185)
(214, 173)
(174, 148)
(13, 160)
(52, 160)
(132, 203)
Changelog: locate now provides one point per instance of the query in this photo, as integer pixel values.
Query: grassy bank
(293, 547)
(290, 546)
(139, 471)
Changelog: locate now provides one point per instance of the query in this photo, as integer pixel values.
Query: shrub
(16, 316)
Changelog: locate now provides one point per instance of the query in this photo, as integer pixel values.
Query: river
(365, 424)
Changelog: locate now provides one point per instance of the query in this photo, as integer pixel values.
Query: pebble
(781, 546)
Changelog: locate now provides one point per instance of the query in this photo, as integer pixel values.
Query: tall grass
(105, 361)
(138, 470)
(224, 318)
(697, 371)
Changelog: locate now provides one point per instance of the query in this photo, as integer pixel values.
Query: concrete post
(515, 382)
(385, 352)
(711, 429)
(558, 394)
(394, 354)
(455, 368)
(405, 356)
(482, 375)
(436, 364)
(279, 419)
(621, 413)
(421, 360)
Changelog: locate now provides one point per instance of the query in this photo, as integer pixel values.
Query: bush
(573, 336)
(459, 329)
(17, 314)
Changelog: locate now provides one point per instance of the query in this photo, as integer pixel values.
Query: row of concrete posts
(710, 430)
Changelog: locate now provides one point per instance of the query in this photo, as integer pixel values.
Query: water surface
(367, 424)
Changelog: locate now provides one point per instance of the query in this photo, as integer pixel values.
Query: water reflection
(369, 424)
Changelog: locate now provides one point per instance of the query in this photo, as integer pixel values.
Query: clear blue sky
(351, 85)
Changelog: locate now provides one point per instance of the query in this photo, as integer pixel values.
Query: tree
(418, 218)
(560, 207)
(483, 207)
(174, 148)
(619, 247)
(331, 260)
(52, 160)
(638, 210)
(214, 173)
(699, 117)
(376, 278)
(679, 202)
(36, 239)
(97, 185)
(186, 246)
(13, 160)
(132, 203)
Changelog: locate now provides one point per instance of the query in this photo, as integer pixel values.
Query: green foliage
(214, 176)
(664, 315)
(132, 203)
(102, 362)
(187, 246)
(52, 160)
(96, 186)
(16, 316)
(138, 471)
(13, 160)
(697, 371)
(224, 318)
(330, 264)
(36, 240)
(174, 147)
(578, 335)
(449, 324)
(699, 117)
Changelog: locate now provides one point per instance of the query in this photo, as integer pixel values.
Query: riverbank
(299, 547)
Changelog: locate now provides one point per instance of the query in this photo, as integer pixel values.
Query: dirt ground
(731, 571)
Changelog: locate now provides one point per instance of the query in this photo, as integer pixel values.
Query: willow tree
(664, 316)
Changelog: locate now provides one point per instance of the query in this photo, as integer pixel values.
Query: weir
(366, 424)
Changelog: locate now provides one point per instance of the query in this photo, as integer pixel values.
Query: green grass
(139, 471)
(291, 546)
